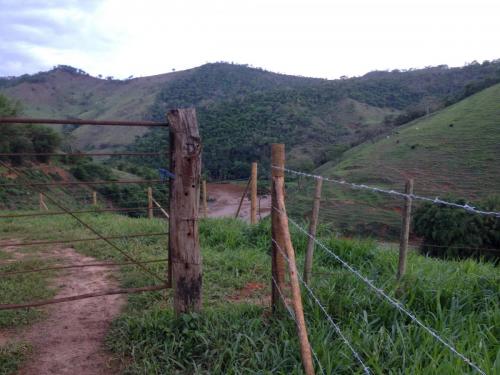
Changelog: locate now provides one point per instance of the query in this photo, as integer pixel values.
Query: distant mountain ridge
(241, 109)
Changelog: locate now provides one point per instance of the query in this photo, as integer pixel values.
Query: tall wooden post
(278, 261)
(94, 198)
(405, 230)
(312, 231)
(283, 244)
(150, 203)
(184, 246)
(205, 204)
(253, 195)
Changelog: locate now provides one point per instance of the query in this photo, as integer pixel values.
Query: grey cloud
(62, 25)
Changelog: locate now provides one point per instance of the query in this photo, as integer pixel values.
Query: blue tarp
(164, 174)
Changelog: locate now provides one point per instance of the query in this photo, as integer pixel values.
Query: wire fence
(395, 193)
(315, 299)
(27, 187)
(378, 212)
(300, 200)
(384, 295)
(292, 316)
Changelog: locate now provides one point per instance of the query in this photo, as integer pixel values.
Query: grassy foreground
(235, 334)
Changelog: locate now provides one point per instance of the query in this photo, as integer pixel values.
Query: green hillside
(349, 110)
(318, 119)
(66, 92)
(453, 152)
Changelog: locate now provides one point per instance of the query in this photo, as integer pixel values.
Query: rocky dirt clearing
(223, 201)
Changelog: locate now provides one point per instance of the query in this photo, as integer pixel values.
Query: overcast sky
(318, 38)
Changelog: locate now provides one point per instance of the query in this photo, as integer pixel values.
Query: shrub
(454, 232)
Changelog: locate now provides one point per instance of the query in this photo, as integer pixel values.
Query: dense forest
(242, 110)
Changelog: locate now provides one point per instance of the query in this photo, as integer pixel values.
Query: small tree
(44, 141)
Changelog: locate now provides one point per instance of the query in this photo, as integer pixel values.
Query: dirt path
(223, 201)
(70, 340)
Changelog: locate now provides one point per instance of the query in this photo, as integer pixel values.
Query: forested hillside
(317, 119)
(243, 109)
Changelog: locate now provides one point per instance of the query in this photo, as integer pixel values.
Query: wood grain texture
(184, 244)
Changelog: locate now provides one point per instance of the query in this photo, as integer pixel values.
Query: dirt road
(70, 340)
(223, 201)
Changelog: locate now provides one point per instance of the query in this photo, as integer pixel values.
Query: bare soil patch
(252, 292)
(71, 339)
(223, 201)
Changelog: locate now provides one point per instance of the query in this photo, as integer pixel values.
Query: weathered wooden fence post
(405, 230)
(253, 195)
(150, 202)
(94, 198)
(312, 231)
(278, 261)
(283, 244)
(205, 204)
(184, 246)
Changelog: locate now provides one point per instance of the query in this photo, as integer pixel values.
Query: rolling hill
(451, 153)
(241, 109)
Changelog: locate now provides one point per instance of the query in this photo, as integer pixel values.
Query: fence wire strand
(398, 305)
(436, 200)
(89, 227)
(337, 329)
(292, 315)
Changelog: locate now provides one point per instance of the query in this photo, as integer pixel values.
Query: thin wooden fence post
(150, 203)
(243, 198)
(278, 261)
(165, 213)
(312, 231)
(205, 204)
(184, 246)
(405, 230)
(283, 243)
(41, 202)
(253, 195)
(94, 198)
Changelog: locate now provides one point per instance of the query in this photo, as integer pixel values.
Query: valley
(438, 126)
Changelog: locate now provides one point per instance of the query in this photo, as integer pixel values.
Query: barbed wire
(366, 369)
(436, 200)
(292, 315)
(391, 300)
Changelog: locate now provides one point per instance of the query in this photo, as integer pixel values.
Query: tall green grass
(459, 300)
